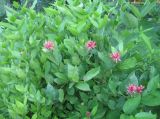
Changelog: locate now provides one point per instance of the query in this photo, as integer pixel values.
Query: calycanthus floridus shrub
(80, 60)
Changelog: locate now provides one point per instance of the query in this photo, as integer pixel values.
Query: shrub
(80, 60)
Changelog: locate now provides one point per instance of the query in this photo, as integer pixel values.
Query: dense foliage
(39, 4)
(80, 60)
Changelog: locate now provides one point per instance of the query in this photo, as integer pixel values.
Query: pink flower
(139, 89)
(49, 45)
(88, 114)
(116, 56)
(91, 44)
(134, 89)
(131, 89)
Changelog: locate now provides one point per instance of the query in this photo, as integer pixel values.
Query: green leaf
(106, 59)
(34, 4)
(81, 26)
(151, 99)
(103, 22)
(131, 104)
(51, 92)
(73, 73)
(135, 10)
(113, 114)
(50, 11)
(153, 83)
(83, 86)
(112, 86)
(147, 41)
(20, 88)
(94, 110)
(69, 44)
(61, 78)
(91, 74)
(123, 116)
(132, 78)
(128, 63)
(93, 22)
(34, 116)
(7, 25)
(130, 20)
(147, 8)
(73, 30)
(61, 95)
(145, 115)
(64, 10)
(21, 108)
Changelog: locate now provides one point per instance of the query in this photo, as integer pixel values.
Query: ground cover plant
(80, 59)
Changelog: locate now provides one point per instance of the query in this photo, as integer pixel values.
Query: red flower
(116, 56)
(49, 45)
(131, 89)
(91, 44)
(139, 89)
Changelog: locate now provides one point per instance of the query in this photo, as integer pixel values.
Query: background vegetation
(71, 81)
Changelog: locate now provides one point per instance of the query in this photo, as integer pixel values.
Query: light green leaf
(145, 115)
(83, 86)
(94, 110)
(20, 88)
(91, 74)
(34, 4)
(34, 116)
(73, 73)
(93, 22)
(131, 104)
(7, 25)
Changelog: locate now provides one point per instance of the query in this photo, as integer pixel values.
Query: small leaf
(145, 115)
(34, 116)
(133, 79)
(73, 73)
(112, 86)
(131, 104)
(94, 110)
(20, 88)
(106, 59)
(51, 92)
(83, 86)
(91, 74)
(34, 4)
(123, 116)
(61, 95)
(153, 83)
(135, 10)
(93, 22)
(147, 41)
